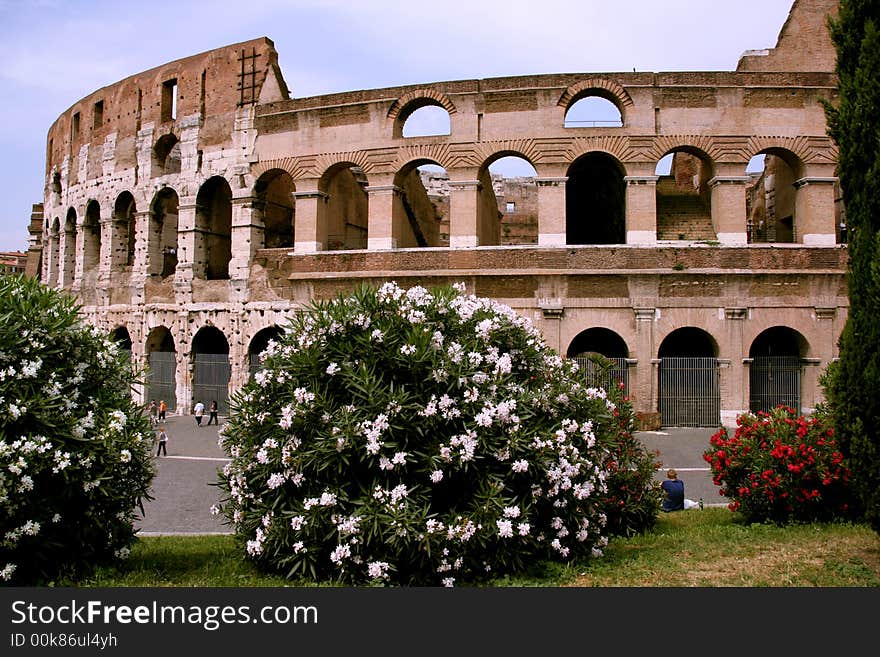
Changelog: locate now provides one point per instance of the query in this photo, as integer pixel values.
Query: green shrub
(74, 449)
(781, 467)
(415, 437)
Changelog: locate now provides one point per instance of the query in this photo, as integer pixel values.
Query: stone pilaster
(641, 209)
(551, 211)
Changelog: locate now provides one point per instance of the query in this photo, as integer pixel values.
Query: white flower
(408, 349)
(125, 456)
(377, 569)
(377, 335)
(511, 512)
(275, 480)
(436, 476)
(297, 522)
(341, 552)
(448, 582)
(398, 493)
(505, 528)
(523, 528)
(520, 466)
(332, 369)
(6, 573)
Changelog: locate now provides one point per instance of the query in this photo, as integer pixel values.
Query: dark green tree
(854, 389)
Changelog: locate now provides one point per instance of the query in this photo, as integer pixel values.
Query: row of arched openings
(211, 367)
(688, 384)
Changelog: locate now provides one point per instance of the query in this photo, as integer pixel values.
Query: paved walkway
(184, 490)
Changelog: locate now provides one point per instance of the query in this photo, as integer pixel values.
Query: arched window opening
(162, 367)
(68, 249)
(211, 369)
(684, 199)
(274, 205)
(602, 354)
(123, 240)
(689, 390)
(213, 234)
(54, 253)
(258, 345)
(166, 156)
(593, 112)
(775, 369)
(516, 193)
(92, 238)
(427, 121)
(771, 197)
(420, 207)
(347, 207)
(163, 233)
(122, 339)
(595, 201)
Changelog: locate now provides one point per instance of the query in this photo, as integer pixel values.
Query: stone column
(385, 216)
(735, 377)
(186, 249)
(184, 367)
(641, 209)
(464, 201)
(814, 211)
(643, 385)
(824, 352)
(310, 225)
(551, 210)
(140, 267)
(729, 216)
(552, 310)
(247, 237)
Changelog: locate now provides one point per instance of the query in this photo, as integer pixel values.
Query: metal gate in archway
(689, 392)
(161, 379)
(774, 381)
(606, 378)
(211, 374)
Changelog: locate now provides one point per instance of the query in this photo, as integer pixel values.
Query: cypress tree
(854, 388)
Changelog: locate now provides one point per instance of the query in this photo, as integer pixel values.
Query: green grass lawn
(710, 547)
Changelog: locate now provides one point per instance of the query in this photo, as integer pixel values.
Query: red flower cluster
(779, 466)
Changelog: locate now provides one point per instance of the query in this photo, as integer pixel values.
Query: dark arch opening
(122, 338)
(595, 201)
(274, 192)
(211, 368)
(689, 391)
(162, 371)
(213, 234)
(92, 237)
(163, 257)
(259, 343)
(166, 155)
(124, 212)
(775, 369)
(602, 353)
(347, 207)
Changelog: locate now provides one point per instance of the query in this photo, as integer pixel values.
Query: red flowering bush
(781, 467)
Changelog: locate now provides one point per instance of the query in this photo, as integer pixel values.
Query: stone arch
(771, 198)
(346, 209)
(689, 390)
(596, 86)
(683, 194)
(610, 368)
(67, 259)
(513, 195)
(122, 239)
(121, 337)
(212, 249)
(162, 239)
(274, 207)
(161, 355)
(259, 343)
(595, 200)
(166, 155)
(211, 368)
(402, 108)
(415, 218)
(775, 369)
(91, 237)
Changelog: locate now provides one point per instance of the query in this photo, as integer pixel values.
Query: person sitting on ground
(674, 488)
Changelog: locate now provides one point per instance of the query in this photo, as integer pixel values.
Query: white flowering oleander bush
(415, 437)
(75, 458)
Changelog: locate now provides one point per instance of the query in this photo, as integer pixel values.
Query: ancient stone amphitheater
(193, 207)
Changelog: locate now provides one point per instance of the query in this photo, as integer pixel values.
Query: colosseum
(194, 207)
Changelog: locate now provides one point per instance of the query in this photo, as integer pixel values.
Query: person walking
(163, 441)
(212, 414)
(162, 408)
(199, 411)
(153, 409)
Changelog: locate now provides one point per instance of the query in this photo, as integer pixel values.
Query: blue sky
(53, 52)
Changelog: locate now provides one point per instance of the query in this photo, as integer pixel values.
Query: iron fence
(689, 392)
